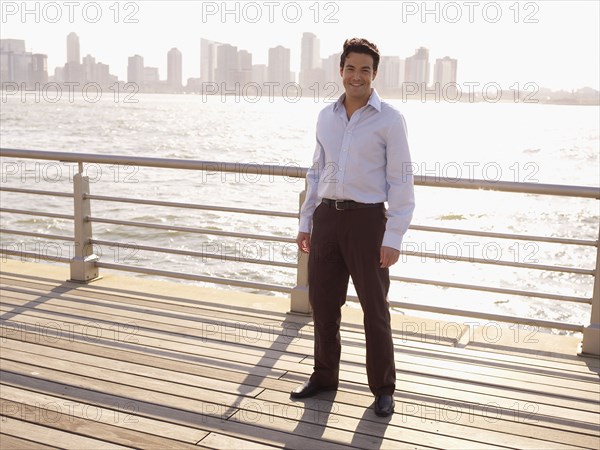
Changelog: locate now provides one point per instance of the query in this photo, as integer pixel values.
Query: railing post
(83, 264)
(299, 303)
(590, 346)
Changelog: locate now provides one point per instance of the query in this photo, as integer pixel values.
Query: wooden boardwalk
(132, 363)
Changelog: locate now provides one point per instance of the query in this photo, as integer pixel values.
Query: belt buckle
(336, 205)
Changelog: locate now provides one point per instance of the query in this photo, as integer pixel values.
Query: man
(361, 160)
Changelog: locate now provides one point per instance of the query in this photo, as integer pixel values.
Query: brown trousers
(347, 243)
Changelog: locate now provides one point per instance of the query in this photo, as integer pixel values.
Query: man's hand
(388, 257)
(303, 241)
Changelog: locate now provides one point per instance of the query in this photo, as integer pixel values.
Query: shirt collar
(374, 101)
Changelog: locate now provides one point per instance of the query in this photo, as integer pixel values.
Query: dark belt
(348, 204)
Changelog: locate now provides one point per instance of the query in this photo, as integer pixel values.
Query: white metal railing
(85, 265)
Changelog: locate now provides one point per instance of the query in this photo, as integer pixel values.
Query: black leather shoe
(310, 388)
(384, 405)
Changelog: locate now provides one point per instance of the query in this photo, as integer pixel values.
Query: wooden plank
(250, 407)
(160, 291)
(576, 363)
(353, 371)
(518, 403)
(201, 302)
(350, 350)
(244, 333)
(133, 330)
(203, 370)
(219, 441)
(53, 418)
(24, 352)
(490, 406)
(230, 355)
(206, 397)
(8, 442)
(186, 412)
(454, 419)
(353, 432)
(212, 402)
(307, 370)
(480, 373)
(42, 434)
(120, 415)
(513, 396)
(449, 410)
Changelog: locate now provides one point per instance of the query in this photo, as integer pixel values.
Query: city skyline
(227, 70)
(224, 64)
(522, 46)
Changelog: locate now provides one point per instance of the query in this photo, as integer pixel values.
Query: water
(513, 142)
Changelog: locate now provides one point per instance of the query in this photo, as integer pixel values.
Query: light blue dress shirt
(365, 159)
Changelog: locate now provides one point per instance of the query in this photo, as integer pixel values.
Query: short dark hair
(360, 45)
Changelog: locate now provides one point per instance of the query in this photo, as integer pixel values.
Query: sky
(553, 44)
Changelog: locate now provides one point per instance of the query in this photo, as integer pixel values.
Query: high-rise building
(279, 66)
(103, 76)
(73, 55)
(12, 45)
(208, 60)
(417, 68)
(310, 60)
(135, 70)
(89, 68)
(390, 73)
(39, 68)
(11, 61)
(19, 66)
(174, 69)
(259, 73)
(227, 66)
(151, 78)
(444, 71)
(333, 87)
(244, 74)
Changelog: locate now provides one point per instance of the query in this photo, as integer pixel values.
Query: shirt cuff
(393, 240)
(305, 225)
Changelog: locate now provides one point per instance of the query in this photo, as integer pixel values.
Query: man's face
(357, 75)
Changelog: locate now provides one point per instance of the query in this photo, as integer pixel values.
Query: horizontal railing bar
(474, 287)
(36, 192)
(489, 316)
(292, 171)
(559, 190)
(192, 230)
(300, 172)
(195, 254)
(192, 206)
(498, 262)
(40, 235)
(23, 254)
(520, 237)
(187, 276)
(36, 213)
